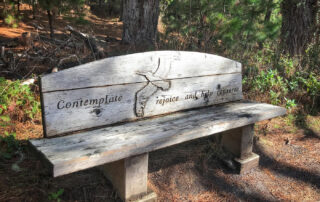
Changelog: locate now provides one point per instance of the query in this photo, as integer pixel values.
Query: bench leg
(239, 142)
(129, 177)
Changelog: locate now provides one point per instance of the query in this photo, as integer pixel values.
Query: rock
(229, 163)
(55, 69)
(28, 82)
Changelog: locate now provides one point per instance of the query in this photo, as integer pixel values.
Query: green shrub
(17, 101)
(268, 81)
(56, 195)
(8, 145)
(249, 32)
(290, 103)
(11, 16)
(224, 25)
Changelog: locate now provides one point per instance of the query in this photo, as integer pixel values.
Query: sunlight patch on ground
(9, 32)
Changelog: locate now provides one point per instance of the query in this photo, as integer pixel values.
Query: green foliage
(16, 98)
(62, 6)
(290, 103)
(11, 15)
(312, 60)
(270, 80)
(310, 83)
(289, 82)
(224, 24)
(274, 97)
(12, 20)
(247, 31)
(9, 145)
(56, 195)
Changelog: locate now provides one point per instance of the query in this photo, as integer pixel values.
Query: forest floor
(289, 149)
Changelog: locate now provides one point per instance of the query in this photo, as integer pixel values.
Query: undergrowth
(9, 145)
(18, 102)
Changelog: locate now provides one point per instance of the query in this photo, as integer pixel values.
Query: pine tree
(52, 6)
(140, 20)
(298, 24)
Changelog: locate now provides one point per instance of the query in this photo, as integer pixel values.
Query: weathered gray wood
(239, 142)
(249, 162)
(134, 86)
(87, 149)
(127, 69)
(66, 111)
(246, 143)
(129, 176)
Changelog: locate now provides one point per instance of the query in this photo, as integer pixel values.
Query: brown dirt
(289, 171)
(289, 167)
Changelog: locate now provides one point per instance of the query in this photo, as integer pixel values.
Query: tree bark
(18, 3)
(269, 11)
(50, 23)
(121, 11)
(33, 9)
(298, 25)
(140, 21)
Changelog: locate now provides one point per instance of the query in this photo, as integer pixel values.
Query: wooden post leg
(129, 177)
(239, 142)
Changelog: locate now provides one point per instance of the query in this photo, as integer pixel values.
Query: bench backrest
(135, 86)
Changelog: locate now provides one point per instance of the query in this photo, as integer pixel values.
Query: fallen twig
(90, 42)
(63, 60)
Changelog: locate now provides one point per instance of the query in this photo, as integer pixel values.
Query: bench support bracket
(129, 177)
(239, 142)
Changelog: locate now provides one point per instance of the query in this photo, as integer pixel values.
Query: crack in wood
(155, 82)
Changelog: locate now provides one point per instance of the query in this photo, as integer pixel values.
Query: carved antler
(155, 82)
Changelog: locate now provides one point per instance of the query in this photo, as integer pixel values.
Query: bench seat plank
(83, 150)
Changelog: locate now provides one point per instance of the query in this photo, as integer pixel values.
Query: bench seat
(68, 154)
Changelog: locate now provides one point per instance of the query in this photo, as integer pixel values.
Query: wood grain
(92, 148)
(67, 111)
(129, 68)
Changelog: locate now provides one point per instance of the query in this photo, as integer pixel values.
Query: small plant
(11, 16)
(270, 80)
(290, 103)
(56, 195)
(274, 97)
(9, 145)
(17, 101)
(12, 20)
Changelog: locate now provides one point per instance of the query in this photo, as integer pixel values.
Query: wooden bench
(112, 112)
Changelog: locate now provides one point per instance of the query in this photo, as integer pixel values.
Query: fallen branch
(56, 42)
(90, 42)
(67, 59)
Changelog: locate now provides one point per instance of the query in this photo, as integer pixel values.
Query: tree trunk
(140, 21)
(269, 11)
(50, 23)
(298, 24)
(121, 11)
(33, 9)
(111, 8)
(18, 2)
